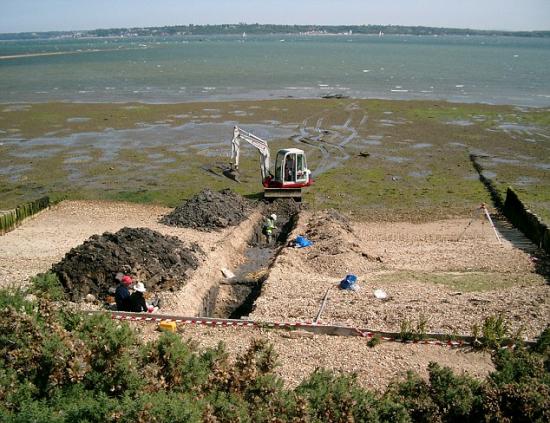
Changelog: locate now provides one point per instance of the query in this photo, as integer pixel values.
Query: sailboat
(244, 34)
(380, 34)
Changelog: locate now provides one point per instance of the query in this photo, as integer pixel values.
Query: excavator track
(295, 193)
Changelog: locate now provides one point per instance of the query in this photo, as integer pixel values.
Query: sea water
(489, 69)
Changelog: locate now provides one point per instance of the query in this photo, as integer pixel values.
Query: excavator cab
(290, 169)
(291, 174)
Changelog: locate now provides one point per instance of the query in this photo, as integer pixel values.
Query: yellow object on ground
(167, 326)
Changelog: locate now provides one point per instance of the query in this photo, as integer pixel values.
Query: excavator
(291, 172)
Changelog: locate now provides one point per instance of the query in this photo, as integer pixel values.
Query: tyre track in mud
(332, 142)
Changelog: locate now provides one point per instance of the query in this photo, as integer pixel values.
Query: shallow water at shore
(498, 70)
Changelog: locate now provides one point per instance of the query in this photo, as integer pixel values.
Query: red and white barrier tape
(308, 326)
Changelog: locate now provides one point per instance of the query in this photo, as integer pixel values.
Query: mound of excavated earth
(161, 262)
(209, 210)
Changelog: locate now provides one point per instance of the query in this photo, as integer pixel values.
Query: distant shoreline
(265, 29)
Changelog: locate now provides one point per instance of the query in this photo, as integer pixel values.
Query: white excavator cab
(291, 167)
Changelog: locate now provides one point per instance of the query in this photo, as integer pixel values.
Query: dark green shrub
(111, 344)
(415, 395)
(390, 410)
(374, 341)
(33, 411)
(518, 366)
(15, 298)
(251, 379)
(494, 333)
(458, 397)
(258, 360)
(20, 343)
(543, 342)
(177, 364)
(40, 350)
(517, 402)
(337, 398)
(410, 332)
(13, 391)
(77, 404)
(226, 407)
(165, 407)
(47, 285)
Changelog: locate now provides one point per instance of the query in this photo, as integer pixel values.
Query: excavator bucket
(232, 173)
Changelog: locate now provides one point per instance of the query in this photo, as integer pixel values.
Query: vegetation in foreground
(60, 366)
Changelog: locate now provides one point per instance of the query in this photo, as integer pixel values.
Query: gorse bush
(58, 366)
(410, 332)
(176, 365)
(493, 334)
(47, 285)
(337, 398)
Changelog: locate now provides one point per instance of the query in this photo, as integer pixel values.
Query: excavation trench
(234, 297)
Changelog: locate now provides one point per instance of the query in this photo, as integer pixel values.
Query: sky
(61, 15)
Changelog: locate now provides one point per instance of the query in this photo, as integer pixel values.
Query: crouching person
(137, 300)
(122, 294)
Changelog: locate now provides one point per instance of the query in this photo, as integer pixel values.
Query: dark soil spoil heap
(160, 262)
(210, 210)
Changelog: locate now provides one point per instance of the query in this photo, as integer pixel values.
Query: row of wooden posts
(10, 219)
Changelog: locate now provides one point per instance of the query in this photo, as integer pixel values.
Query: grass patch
(465, 281)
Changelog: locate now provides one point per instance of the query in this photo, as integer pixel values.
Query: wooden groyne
(10, 219)
(526, 221)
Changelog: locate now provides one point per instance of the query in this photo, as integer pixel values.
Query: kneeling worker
(122, 295)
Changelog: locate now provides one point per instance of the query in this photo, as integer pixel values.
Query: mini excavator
(291, 172)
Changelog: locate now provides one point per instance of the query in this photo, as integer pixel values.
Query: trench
(234, 297)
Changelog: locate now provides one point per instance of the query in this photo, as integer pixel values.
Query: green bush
(177, 365)
(543, 343)
(374, 341)
(517, 402)
(337, 398)
(458, 397)
(169, 407)
(226, 407)
(518, 366)
(15, 299)
(113, 368)
(47, 285)
(494, 333)
(415, 395)
(410, 332)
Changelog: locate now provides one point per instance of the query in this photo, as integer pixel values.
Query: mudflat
(378, 159)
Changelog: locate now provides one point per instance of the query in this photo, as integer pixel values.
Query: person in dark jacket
(122, 295)
(137, 300)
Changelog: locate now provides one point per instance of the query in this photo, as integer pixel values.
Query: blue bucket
(348, 282)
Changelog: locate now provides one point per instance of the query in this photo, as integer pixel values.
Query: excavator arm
(260, 144)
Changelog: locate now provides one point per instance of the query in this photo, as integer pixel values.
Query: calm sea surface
(499, 70)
